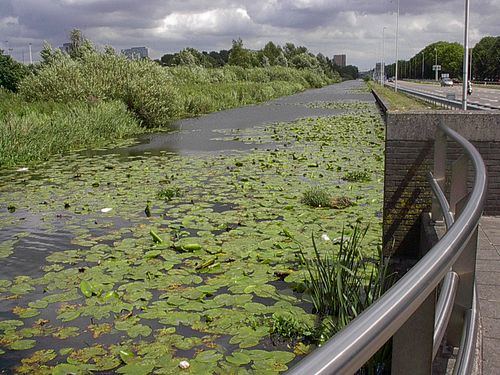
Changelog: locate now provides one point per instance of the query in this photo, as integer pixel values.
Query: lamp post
(397, 55)
(31, 56)
(423, 57)
(436, 63)
(466, 57)
(382, 65)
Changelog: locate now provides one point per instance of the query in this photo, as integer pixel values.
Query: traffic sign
(436, 67)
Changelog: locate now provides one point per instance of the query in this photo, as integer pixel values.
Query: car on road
(447, 82)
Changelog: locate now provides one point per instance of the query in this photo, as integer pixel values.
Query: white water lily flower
(184, 364)
(325, 237)
(107, 209)
(23, 169)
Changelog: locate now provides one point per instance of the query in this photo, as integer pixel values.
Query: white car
(446, 82)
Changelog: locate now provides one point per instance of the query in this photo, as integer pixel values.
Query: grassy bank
(35, 131)
(398, 102)
(87, 102)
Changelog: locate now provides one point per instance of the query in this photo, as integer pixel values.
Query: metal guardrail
(408, 311)
(442, 101)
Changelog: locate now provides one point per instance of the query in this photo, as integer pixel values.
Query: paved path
(488, 285)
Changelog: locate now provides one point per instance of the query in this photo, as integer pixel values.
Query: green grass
(41, 130)
(398, 102)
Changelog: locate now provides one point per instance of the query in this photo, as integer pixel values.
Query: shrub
(143, 85)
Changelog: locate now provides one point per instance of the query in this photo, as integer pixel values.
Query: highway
(480, 95)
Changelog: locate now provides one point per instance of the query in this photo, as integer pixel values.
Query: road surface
(480, 95)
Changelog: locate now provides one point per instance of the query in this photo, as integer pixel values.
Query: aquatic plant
(286, 325)
(316, 196)
(343, 282)
(169, 193)
(357, 176)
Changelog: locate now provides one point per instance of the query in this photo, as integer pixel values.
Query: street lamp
(436, 63)
(397, 56)
(423, 57)
(382, 65)
(466, 57)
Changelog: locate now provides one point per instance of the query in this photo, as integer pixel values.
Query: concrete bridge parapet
(409, 158)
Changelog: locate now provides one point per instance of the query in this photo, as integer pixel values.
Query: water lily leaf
(100, 329)
(40, 304)
(22, 344)
(65, 351)
(239, 358)
(66, 332)
(68, 316)
(136, 369)
(66, 368)
(126, 355)
(86, 288)
(25, 312)
(208, 356)
(152, 254)
(139, 330)
(6, 325)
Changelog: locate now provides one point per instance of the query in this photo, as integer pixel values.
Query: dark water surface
(202, 134)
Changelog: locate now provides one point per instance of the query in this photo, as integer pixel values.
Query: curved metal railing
(452, 259)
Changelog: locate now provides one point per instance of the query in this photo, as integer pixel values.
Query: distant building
(66, 47)
(339, 60)
(136, 53)
(377, 73)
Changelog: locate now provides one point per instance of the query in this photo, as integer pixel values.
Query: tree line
(12, 72)
(270, 55)
(484, 61)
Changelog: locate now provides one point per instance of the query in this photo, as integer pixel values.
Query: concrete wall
(409, 157)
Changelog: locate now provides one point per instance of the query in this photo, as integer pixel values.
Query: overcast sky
(351, 27)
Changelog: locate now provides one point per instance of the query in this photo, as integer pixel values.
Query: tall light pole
(397, 55)
(466, 57)
(423, 57)
(382, 65)
(31, 56)
(436, 63)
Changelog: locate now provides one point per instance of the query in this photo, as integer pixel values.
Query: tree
(11, 72)
(272, 52)
(486, 58)
(79, 45)
(305, 61)
(185, 57)
(241, 56)
(349, 72)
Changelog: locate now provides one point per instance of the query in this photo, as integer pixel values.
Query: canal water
(85, 277)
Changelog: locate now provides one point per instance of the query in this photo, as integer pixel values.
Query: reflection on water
(202, 134)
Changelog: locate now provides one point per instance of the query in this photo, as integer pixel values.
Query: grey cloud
(327, 26)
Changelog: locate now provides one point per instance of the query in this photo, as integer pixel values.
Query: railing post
(458, 190)
(465, 267)
(413, 343)
(439, 171)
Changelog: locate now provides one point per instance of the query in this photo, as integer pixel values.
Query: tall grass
(41, 131)
(342, 283)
